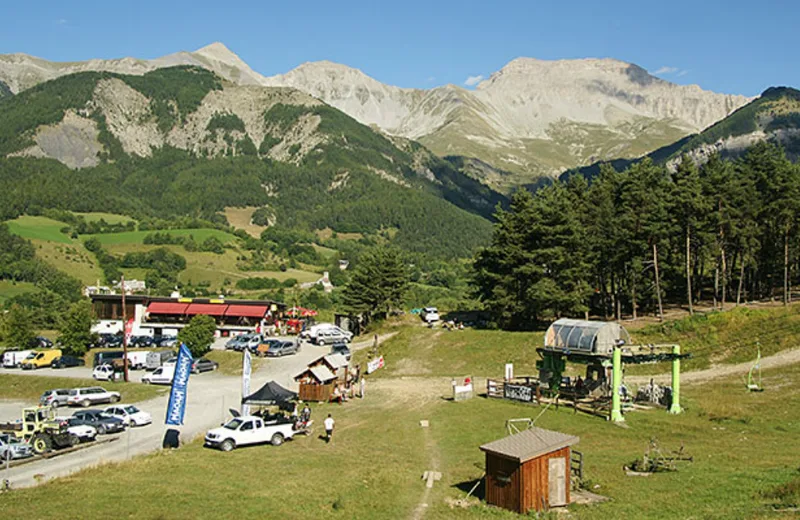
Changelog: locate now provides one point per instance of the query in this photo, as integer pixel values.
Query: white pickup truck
(249, 429)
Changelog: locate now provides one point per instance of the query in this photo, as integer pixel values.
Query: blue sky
(732, 46)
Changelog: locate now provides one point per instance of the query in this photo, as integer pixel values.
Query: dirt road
(787, 357)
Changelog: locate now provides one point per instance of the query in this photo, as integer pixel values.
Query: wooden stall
(316, 383)
(529, 470)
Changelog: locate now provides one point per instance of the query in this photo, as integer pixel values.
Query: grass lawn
(136, 237)
(9, 289)
(29, 388)
(40, 228)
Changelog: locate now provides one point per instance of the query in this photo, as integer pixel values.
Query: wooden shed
(529, 470)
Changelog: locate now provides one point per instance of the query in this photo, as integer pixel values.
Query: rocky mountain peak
(219, 52)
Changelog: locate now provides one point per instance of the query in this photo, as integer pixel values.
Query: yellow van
(40, 359)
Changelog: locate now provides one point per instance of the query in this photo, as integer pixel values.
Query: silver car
(13, 448)
(54, 398)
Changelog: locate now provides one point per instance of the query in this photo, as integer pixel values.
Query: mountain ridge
(532, 117)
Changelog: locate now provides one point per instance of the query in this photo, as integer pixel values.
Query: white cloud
(431, 79)
(683, 73)
(62, 21)
(665, 70)
(471, 81)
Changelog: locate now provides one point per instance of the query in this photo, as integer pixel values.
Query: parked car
(67, 361)
(130, 415)
(157, 358)
(429, 314)
(283, 348)
(55, 398)
(40, 359)
(235, 343)
(13, 448)
(312, 332)
(106, 357)
(248, 429)
(105, 372)
(83, 432)
(92, 395)
(267, 344)
(140, 342)
(341, 348)
(203, 365)
(160, 376)
(165, 341)
(101, 421)
(42, 342)
(331, 336)
(251, 342)
(13, 358)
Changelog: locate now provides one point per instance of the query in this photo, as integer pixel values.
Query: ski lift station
(603, 347)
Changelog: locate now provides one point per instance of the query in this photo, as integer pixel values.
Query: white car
(88, 396)
(248, 429)
(430, 314)
(103, 372)
(83, 432)
(160, 376)
(130, 415)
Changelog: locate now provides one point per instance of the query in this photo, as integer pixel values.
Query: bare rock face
(73, 141)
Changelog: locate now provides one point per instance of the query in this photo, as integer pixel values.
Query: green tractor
(41, 430)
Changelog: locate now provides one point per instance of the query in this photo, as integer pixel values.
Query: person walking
(329, 423)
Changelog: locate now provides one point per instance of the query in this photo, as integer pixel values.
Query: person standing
(329, 423)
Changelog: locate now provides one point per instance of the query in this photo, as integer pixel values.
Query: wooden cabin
(529, 470)
(316, 383)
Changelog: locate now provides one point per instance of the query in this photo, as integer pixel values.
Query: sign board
(509, 371)
(519, 393)
(374, 365)
(128, 330)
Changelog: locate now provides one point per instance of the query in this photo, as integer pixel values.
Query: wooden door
(557, 481)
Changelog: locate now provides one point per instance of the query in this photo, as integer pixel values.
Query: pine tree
(377, 284)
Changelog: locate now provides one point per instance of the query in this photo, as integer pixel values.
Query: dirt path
(358, 345)
(787, 357)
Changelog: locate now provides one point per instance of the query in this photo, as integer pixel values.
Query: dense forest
(633, 240)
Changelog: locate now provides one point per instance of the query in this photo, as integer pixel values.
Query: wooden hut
(316, 383)
(529, 470)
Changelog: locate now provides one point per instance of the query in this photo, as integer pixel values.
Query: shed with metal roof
(529, 470)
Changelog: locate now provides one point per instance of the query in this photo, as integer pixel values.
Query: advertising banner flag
(246, 369)
(374, 365)
(180, 383)
(128, 330)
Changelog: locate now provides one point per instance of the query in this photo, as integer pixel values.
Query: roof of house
(336, 360)
(529, 444)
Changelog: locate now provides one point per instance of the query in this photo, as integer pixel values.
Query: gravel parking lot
(210, 395)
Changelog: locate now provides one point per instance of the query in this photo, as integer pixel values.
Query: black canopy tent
(270, 394)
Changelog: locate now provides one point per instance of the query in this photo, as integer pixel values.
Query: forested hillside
(726, 231)
(193, 150)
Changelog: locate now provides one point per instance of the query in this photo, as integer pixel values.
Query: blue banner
(180, 381)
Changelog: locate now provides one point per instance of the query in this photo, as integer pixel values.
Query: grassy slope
(40, 228)
(111, 218)
(728, 337)
(230, 363)
(29, 388)
(742, 445)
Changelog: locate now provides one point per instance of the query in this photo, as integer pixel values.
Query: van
(158, 358)
(14, 358)
(161, 376)
(107, 357)
(40, 359)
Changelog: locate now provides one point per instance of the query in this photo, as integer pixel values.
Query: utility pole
(124, 331)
